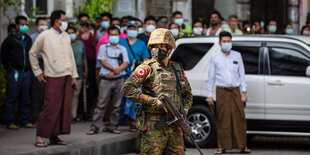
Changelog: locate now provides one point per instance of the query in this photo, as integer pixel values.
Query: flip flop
(40, 144)
(245, 150)
(57, 141)
(92, 132)
(219, 151)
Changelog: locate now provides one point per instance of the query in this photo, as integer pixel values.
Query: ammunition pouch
(140, 118)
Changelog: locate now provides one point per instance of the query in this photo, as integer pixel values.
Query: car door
(287, 89)
(189, 55)
(251, 52)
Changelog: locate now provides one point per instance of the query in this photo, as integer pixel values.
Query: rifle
(175, 116)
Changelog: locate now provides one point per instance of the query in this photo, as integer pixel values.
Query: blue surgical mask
(226, 47)
(132, 33)
(105, 25)
(289, 31)
(175, 32)
(113, 39)
(305, 33)
(72, 36)
(179, 21)
(224, 26)
(272, 29)
(23, 29)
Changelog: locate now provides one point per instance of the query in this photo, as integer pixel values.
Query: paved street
(22, 142)
(267, 145)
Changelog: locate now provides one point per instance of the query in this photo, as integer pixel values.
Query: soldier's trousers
(169, 140)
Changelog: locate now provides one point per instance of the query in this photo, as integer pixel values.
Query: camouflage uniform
(155, 78)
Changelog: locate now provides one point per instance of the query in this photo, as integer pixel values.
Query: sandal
(92, 132)
(133, 128)
(245, 150)
(115, 131)
(57, 141)
(219, 151)
(105, 129)
(40, 144)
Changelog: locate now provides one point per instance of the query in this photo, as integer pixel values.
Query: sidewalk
(22, 142)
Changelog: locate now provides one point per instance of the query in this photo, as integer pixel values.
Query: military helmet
(161, 36)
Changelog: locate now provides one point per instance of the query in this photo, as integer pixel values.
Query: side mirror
(308, 71)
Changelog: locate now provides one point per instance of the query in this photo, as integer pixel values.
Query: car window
(287, 61)
(250, 55)
(188, 55)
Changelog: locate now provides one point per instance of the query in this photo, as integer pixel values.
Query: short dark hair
(232, 16)
(148, 18)
(38, 19)
(272, 20)
(82, 15)
(70, 27)
(137, 19)
(56, 15)
(111, 28)
(116, 18)
(17, 18)
(11, 27)
(215, 12)
(197, 21)
(161, 17)
(172, 24)
(224, 34)
(176, 13)
(245, 23)
(106, 14)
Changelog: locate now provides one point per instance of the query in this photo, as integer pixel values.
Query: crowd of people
(39, 67)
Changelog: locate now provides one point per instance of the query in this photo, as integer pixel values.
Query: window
(288, 62)
(188, 55)
(250, 55)
(40, 4)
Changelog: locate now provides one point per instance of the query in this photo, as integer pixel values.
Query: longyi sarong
(231, 123)
(55, 116)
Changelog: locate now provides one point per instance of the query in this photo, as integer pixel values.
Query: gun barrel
(196, 145)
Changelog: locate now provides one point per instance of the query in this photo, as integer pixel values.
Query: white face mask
(197, 30)
(141, 30)
(64, 26)
(150, 28)
(43, 28)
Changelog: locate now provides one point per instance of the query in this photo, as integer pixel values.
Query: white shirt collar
(56, 31)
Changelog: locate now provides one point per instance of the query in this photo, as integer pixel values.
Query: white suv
(278, 85)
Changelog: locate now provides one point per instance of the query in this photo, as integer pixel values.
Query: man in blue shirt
(137, 51)
(114, 60)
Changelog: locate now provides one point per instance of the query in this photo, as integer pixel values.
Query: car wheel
(202, 122)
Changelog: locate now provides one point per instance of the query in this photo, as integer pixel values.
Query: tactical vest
(164, 82)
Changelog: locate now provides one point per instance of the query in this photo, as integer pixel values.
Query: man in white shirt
(59, 76)
(227, 73)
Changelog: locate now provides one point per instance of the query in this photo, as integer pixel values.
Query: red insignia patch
(141, 72)
(184, 75)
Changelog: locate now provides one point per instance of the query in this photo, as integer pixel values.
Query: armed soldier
(159, 76)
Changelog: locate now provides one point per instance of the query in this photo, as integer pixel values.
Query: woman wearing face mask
(305, 30)
(197, 28)
(288, 29)
(174, 29)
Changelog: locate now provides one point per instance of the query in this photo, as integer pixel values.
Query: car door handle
(276, 83)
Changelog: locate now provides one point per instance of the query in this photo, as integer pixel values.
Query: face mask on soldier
(159, 54)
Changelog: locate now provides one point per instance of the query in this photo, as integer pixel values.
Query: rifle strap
(179, 88)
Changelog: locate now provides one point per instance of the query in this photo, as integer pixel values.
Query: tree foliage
(93, 8)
